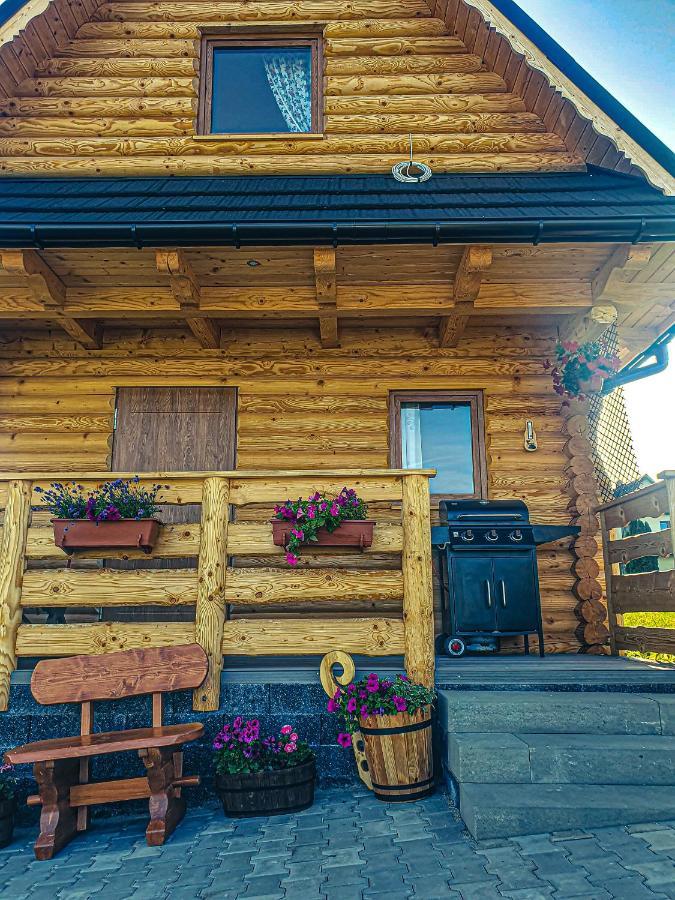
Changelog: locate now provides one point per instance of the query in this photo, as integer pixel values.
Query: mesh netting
(613, 452)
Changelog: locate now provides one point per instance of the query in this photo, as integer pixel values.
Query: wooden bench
(61, 765)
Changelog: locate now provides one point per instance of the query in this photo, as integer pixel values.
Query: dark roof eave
(374, 231)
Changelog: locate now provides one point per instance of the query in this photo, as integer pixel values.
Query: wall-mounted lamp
(530, 442)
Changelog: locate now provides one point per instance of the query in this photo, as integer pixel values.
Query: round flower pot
(123, 534)
(7, 810)
(267, 793)
(591, 385)
(398, 750)
(352, 533)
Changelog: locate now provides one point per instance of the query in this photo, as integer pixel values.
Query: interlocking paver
(348, 847)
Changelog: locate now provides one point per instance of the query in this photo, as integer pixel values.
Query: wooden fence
(215, 585)
(647, 592)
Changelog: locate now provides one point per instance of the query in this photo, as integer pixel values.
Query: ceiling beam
(474, 262)
(326, 295)
(50, 292)
(187, 292)
(606, 291)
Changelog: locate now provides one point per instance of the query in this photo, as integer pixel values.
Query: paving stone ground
(348, 846)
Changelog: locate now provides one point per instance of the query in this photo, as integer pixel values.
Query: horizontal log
(109, 587)
(402, 65)
(167, 48)
(104, 637)
(247, 539)
(120, 67)
(359, 45)
(424, 124)
(363, 144)
(354, 163)
(276, 489)
(646, 592)
(372, 637)
(81, 424)
(645, 640)
(114, 87)
(356, 28)
(651, 501)
(344, 85)
(428, 105)
(272, 10)
(91, 107)
(652, 543)
(45, 442)
(72, 127)
(273, 586)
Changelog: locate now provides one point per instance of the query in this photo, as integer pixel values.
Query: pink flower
(300, 535)
(292, 559)
(311, 512)
(286, 729)
(351, 705)
(290, 748)
(323, 507)
(334, 509)
(364, 711)
(344, 740)
(332, 706)
(294, 737)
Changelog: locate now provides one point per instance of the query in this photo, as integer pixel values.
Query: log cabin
(209, 275)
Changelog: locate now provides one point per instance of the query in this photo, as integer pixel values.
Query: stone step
(544, 712)
(505, 810)
(495, 758)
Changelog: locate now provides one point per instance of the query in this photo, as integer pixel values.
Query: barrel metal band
(403, 787)
(402, 729)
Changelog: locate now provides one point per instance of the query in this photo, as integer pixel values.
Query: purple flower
(351, 705)
(332, 706)
(364, 711)
(334, 509)
(344, 740)
(399, 703)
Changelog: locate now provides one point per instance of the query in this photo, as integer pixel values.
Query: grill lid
(483, 512)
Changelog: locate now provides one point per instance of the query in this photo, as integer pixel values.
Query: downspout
(636, 369)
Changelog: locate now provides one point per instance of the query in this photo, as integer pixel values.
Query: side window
(260, 85)
(441, 430)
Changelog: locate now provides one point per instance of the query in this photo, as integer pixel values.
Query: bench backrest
(127, 673)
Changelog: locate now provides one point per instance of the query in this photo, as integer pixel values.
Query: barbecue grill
(489, 580)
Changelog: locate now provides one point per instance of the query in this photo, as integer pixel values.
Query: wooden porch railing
(216, 584)
(647, 592)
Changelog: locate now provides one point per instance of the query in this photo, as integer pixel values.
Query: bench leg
(58, 821)
(167, 808)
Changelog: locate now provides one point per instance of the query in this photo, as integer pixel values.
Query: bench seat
(105, 742)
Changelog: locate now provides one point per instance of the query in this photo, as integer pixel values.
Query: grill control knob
(492, 535)
(467, 535)
(516, 535)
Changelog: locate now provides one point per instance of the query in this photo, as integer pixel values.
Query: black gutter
(280, 233)
(592, 88)
(639, 367)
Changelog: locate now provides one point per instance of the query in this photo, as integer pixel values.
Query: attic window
(259, 85)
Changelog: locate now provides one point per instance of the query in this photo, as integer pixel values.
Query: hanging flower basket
(322, 520)
(580, 370)
(122, 534)
(118, 515)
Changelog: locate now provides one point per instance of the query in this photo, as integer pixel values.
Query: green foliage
(240, 750)
(114, 500)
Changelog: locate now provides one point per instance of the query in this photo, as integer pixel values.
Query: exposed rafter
(187, 292)
(326, 295)
(606, 291)
(475, 261)
(50, 292)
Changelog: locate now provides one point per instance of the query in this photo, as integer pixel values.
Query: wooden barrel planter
(122, 534)
(352, 533)
(398, 750)
(267, 793)
(7, 811)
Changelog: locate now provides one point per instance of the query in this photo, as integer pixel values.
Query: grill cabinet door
(515, 593)
(474, 596)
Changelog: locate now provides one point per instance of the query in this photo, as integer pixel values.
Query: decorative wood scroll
(187, 292)
(50, 292)
(591, 633)
(330, 683)
(326, 295)
(475, 261)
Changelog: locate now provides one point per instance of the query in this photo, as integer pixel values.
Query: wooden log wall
(303, 406)
(113, 90)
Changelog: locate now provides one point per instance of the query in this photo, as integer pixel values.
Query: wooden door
(180, 429)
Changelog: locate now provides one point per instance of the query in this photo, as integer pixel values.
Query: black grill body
(488, 565)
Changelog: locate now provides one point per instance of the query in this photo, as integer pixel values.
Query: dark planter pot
(267, 793)
(124, 534)
(7, 810)
(353, 533)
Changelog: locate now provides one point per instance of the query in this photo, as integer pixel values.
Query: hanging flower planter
(118, 515)
(580, 370)
(325, 521)
(122, 534)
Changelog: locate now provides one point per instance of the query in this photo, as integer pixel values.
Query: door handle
(489, 594)
(502, 584)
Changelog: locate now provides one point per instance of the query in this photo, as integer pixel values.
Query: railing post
(669, 478)
(418, 593)
(606, 537)
(12, 564)
(210, 612)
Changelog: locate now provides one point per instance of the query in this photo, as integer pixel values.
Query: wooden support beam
(12, 564)
(326, 295)
(475, 260)
(589, 325)
(186, 290)
(50, 292)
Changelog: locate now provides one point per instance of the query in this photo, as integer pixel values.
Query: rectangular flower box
(352, 533)
(121, 534)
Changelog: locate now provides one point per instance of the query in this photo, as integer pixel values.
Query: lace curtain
(411, 436)
(290, 80)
